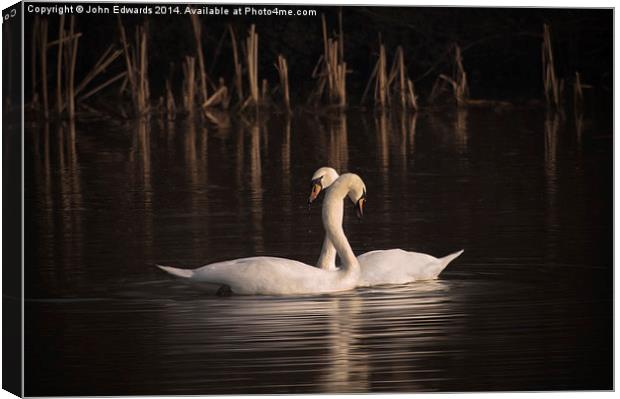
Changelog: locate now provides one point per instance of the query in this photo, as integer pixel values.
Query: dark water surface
(528, 306)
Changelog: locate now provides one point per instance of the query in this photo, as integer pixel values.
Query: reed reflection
(334, 140)
(382, 131)
(460, 130)
(140, 163)
(60, 208)
(552, 127)
(256, 188)
(195, 141)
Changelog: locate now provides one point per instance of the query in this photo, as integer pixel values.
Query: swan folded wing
(395, 266)
(267, 276)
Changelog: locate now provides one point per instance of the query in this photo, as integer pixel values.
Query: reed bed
(394, 86)
(67, 95)
(331, 69)
(55, 89)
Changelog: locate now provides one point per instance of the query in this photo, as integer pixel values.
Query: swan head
(321, 179)
(355, 189)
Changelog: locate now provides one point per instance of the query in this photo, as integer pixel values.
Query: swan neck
(327, 259)
(333, 212)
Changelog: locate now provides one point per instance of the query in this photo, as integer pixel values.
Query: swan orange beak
(315, 191)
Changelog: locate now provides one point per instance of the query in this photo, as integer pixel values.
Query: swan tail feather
(175, 271)
(440, 264)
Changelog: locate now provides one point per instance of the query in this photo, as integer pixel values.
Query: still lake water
(528, 306)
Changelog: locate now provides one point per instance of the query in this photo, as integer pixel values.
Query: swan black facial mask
(359, 205)
(315, 190)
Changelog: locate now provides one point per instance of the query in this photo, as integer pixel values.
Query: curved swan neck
(333, 212)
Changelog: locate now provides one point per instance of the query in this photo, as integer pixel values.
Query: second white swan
(390, 266)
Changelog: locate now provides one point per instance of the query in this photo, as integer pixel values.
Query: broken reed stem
(219, 97)
(189, 72)
(104, 61)
(237, 64)
(252, 64)
(460, 77)
(550, 82)
(43, 50)
(201, 62)
(101, 86)
(282, 68)
(411, 97)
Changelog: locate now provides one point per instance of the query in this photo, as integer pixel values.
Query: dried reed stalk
(102, 63)
(282, 68)
(72, 49)
(550, 81)
(143, 92)
(237, 64)
(397, 78)
(129, 63)
(252, 64)
(61, 31)
(137, 68)
(43, 51)
(201, 62)
(33, 58)
(458, 81)
(411, 97)
(101, 86)
(189, 84)
(218, 98)
(381, 85)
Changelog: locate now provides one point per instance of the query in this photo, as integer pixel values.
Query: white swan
(278, 276)
(390, 266)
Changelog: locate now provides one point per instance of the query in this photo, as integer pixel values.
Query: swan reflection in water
(328, 343)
